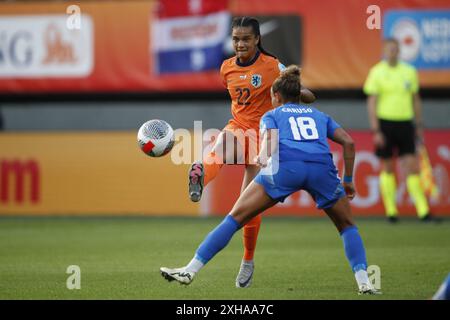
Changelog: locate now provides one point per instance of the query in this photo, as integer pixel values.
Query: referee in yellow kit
(395, 117)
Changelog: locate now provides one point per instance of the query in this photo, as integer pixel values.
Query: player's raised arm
(343, 138)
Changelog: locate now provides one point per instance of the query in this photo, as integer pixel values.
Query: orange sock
(211, 166)
(250, 233)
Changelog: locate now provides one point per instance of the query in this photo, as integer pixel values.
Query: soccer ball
(156, 138)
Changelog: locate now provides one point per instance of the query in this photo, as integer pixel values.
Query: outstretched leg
(340, 214)
(203, 172)
(249, 236)
(252, 201)
(214, 161)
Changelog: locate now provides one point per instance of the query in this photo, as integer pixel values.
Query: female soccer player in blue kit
(305, 163)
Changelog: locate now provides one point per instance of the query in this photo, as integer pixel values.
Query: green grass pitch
(296, 258)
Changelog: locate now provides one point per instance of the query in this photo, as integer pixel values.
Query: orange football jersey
(249, 88)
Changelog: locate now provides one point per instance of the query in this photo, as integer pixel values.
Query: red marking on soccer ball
(148, 147)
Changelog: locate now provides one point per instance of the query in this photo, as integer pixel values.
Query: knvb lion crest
(256, 80)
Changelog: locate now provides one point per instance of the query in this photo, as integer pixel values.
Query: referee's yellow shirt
(394, 88)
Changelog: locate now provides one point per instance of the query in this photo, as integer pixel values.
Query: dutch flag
(189, 35)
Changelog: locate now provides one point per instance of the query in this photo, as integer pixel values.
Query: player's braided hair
(288, 84)
(254, 24)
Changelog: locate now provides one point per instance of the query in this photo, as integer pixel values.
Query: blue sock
(447, 288)
(217, 239)
(354, 248)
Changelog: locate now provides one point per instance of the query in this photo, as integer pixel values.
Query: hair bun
(288, 84)
(291, 70)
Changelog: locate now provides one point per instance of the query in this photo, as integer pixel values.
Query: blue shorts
(319, 179)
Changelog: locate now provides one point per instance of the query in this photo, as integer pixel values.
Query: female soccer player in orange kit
(300, 159)
(248, 76)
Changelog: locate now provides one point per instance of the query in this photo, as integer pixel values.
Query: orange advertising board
(105, 173)
(96, 173)
(114, 49)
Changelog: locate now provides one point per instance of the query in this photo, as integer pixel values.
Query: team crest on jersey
(256, 80)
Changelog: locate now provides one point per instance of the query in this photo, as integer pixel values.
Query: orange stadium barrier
(88, 174)
(332, 43)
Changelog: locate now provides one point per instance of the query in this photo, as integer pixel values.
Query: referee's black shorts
(399, 136)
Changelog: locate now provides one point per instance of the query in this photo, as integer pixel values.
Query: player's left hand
(349, 188)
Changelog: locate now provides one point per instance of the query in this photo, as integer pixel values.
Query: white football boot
(245, 275)
(367, 288)
(177, 274)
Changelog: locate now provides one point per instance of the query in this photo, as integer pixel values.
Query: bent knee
(344, 224)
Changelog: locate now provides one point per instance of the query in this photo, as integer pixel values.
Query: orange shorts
(245, 142)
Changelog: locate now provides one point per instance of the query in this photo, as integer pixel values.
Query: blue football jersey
(302, 130)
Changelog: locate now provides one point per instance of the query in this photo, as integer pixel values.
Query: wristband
(348, 179)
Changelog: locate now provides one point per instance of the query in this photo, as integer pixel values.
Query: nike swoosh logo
(243, 284)
(268, 27)
(182, 275)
